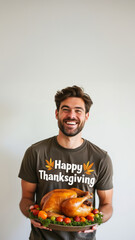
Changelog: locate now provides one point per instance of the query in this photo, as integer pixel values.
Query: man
(69, 152)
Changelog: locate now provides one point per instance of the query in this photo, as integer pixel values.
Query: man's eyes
(68, 110)
(79, 111)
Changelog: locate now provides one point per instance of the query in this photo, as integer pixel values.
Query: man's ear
(87, 116)
(56, 113)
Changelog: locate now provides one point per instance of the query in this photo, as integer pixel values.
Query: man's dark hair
(73, 91)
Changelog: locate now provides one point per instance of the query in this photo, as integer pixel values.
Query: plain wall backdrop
(45, 46)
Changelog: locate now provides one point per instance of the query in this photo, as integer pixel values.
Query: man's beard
(70, 133)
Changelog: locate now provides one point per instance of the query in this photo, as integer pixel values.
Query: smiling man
(67, 154)
(71, 116)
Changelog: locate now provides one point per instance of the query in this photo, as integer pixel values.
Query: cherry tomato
(42, 214)
(95, 211)
(67, 220)
(82, 219)
(36, 206)
(77, 218)
(35, 212)
(59, 219)
(53, 218)
(90, 218)
(91, 214)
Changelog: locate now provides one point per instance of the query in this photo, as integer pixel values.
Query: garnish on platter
(66, 210)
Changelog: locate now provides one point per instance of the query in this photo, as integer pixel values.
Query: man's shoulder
(96, 149)
(42, 143)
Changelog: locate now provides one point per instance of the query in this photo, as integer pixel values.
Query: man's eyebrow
(66, 106)
(79, 108)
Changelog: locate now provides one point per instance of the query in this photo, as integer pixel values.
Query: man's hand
(39, 225)
(92, 229)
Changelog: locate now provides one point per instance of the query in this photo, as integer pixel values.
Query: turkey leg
(76, 207)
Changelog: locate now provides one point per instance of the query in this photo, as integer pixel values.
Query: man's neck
(69, 142)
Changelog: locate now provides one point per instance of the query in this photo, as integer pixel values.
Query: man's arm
(28, 193)
(105, 206)
(105, 203)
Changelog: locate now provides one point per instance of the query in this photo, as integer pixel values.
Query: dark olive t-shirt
(51, 166)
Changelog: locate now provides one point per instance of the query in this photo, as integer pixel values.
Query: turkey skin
(67, 202)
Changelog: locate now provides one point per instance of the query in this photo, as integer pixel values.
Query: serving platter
(70, 228)
(62, 224)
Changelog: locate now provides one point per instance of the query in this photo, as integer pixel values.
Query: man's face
(71, 116)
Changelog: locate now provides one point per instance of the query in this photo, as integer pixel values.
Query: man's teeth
(71, 123)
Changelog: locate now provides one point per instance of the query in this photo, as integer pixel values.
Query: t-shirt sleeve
(28, 167)
(105, 174)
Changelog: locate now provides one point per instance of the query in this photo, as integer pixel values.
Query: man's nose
(71, 114)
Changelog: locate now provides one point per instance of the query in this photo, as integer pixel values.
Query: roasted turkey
(67, 202)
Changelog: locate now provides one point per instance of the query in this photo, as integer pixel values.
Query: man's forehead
(73, 102)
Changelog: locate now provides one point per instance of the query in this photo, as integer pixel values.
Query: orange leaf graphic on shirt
(87, 168)
(50, 164)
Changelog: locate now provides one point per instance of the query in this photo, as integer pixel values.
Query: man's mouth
(71, 123)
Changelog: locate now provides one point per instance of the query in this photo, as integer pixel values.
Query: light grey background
(45, 46)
